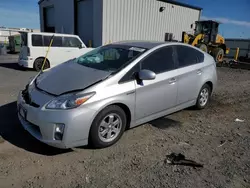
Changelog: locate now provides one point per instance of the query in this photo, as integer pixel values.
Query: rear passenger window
(46, 40)
(188, 56)
(71, 42)
(57, 41)
(159, 61)
(37, 40)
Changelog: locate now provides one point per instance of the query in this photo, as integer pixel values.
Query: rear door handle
(199, 72)
(172, 81)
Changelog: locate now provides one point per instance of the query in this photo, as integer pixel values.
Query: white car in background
(35, 46)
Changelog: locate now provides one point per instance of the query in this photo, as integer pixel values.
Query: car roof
(152, 44)
(141, 44)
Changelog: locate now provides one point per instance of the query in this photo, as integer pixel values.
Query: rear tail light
(28, 51)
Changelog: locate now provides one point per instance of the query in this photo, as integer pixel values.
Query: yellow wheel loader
(206, 38)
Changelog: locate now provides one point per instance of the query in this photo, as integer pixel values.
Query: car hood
(68, 77)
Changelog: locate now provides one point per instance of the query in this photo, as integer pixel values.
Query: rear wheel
(39, 63)
(108, 127)
(218, 54)
(203, 47)
(203, 97)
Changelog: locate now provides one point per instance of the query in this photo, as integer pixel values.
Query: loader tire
(218, 54)
(203, 47)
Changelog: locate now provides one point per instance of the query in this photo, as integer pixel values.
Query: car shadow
(14, 66)
(12, 131)
(164, 123)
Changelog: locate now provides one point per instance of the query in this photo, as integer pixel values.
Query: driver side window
(159, 61)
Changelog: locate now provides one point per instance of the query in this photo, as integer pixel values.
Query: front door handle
(199, 72)
(172, 81)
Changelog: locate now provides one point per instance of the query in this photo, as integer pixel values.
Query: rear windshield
(24, 39)
(110, 58)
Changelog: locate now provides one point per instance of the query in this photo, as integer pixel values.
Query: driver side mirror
(191, 26)
(146, 75)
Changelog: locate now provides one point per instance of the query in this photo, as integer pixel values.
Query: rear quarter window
(37, 40)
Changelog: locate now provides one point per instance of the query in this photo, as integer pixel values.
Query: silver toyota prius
(94, 98)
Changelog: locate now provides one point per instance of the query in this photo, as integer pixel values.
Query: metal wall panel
(244, 46)
(238, 43)
(64, 15)
(97, 25)
(85, 20)
(141, 20)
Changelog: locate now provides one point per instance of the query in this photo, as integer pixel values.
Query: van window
(37, 40)
(46, 40)
(188, 56)
(57, 41)
(72, 42)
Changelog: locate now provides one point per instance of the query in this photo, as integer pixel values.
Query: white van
(35, 46)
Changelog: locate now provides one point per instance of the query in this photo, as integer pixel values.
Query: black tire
(38, 64)
(200, 105)
(203, 47)
(94, 138)
(218, 54)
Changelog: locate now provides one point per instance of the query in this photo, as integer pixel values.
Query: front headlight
(69, 101)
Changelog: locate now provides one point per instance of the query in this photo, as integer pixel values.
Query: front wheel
(203, 97)
(108, 127)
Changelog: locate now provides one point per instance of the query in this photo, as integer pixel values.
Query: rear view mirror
(191, 26)
(146, 75)
(80, 46)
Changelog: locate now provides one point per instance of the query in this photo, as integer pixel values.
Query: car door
(190, 69)
(155, 96)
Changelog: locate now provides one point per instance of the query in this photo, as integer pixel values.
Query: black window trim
(176, 57)
(121, 81)
(132, 77)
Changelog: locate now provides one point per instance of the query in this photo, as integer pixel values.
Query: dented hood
(68, 77)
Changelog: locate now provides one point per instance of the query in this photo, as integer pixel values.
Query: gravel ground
(210, 137)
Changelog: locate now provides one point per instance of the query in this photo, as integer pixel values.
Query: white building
(104, 21)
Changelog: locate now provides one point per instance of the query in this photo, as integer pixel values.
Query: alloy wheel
(110, 127)
(204, 95)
